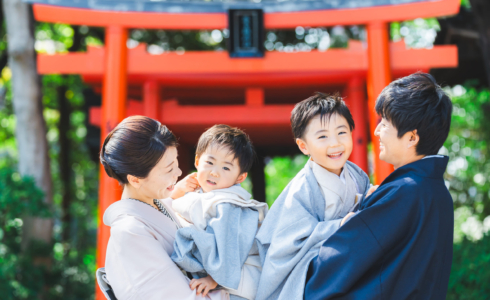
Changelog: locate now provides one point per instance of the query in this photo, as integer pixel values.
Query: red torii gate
(111, 67)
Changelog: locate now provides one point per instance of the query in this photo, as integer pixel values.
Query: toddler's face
(218, 169)
(329, 143)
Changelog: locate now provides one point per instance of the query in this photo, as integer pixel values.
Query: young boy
(221, 218)
(399, 245)
(312, 206)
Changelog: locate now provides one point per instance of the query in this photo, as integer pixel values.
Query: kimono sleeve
(142, 269)
(295, 238)
(220, 250)
(356, 247)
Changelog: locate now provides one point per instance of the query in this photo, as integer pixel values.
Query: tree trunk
(64, 158)
(481, 9)
(27, 103)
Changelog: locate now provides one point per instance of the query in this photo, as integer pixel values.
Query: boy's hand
(187, 184)
(347, 217)
(371, 190)
(203, 285)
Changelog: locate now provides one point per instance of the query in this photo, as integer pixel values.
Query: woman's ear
(134, 181)
(241, 178)
(302, 146)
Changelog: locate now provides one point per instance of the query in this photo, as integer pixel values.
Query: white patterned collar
(430, 156)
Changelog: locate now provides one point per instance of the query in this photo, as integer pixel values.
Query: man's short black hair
(318, 104)
(234, 139)
(417, 102)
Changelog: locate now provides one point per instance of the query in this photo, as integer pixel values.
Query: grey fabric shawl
(220, 250)
(292, 233)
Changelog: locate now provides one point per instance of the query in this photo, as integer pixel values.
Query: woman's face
(162, 178)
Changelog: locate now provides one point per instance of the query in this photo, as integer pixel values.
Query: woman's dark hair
(318, 104)
(417, 102)
(234, 139)
(134, 147)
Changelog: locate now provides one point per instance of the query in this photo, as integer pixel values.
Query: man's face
(218, 169)
(392, 149)
(328, 142)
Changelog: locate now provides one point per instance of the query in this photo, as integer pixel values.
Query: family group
(330, 234)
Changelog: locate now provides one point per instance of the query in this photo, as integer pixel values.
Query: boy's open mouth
(211, 182)
(336, 155)
(171, 188)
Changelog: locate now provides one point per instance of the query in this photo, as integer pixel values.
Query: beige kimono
(138, 263)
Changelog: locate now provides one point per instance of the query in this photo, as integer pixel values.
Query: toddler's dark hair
(417, 102)
(234, 139)
(318, 104)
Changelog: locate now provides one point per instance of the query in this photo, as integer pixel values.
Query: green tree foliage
(470, 273)
(288, 40)
(20, 277)
(466, 177)
(418, 33)
(278, 173)
(469, 166)
(71, 273)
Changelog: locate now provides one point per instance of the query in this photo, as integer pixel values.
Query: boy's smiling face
(328, 142)
(218, 169)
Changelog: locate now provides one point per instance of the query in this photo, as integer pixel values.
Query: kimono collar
(142, 211)
(432, 166)
(328, 179)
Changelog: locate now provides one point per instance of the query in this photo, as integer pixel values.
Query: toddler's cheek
(201, 178)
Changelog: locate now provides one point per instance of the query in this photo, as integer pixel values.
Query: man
(399, 244)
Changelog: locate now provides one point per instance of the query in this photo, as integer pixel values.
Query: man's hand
(371, 190)
(347, 217)
(203, 285)
(187, 184)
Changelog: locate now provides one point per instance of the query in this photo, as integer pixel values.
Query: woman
(142, 155)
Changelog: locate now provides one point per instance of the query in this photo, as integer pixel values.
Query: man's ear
(196, 161)
(241, 178)
(414, 138)
(134, 181)
(302, 146)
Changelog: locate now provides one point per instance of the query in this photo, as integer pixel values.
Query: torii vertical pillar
(379, 76)
(114, 93)
(356, 100)
(255, 97)
(151, 100)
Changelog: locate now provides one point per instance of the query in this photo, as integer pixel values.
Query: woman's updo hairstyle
(134, 147)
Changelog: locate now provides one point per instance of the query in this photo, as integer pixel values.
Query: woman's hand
(203, 285)
(187, 184)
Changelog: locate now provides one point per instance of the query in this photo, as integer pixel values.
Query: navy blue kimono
(398, 246)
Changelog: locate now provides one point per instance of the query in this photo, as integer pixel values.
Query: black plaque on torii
(246, 28)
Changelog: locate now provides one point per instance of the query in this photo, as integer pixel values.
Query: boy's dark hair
(417, 102)
(233, 138)
(318, 104)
